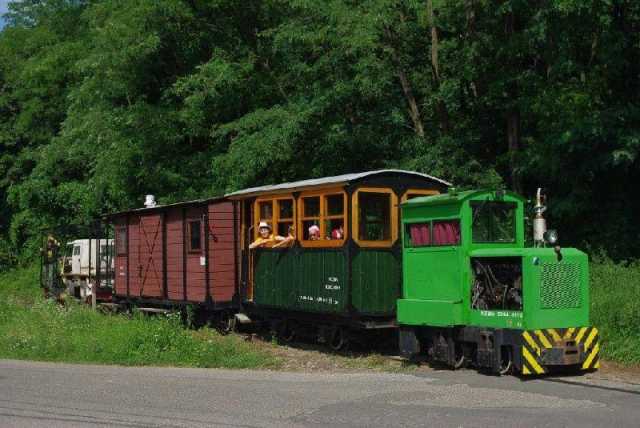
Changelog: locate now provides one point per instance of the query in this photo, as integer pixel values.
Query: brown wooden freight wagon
(184, 253)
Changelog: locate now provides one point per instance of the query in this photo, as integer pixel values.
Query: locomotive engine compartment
(496, 283)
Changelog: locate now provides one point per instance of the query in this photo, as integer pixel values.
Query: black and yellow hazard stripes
(591, 345)
(532, 351)
(559, 347)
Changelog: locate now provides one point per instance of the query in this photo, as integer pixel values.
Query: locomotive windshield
(493, 222)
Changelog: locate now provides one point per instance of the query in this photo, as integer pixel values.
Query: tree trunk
(443, 114)
(513, 118)
(414, 111)
(513, 141)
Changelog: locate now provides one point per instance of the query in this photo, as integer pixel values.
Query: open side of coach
(342, 280)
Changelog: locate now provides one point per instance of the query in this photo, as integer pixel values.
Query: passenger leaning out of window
(288, 241)
(267, 239)
(337, 233)
(314, 233)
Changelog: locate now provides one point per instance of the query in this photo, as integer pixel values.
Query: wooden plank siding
(174, 255)
(222, 258)
(159, 254)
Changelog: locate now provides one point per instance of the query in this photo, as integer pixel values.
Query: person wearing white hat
(266, 238)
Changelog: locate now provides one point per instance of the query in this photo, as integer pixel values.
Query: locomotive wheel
(460, 359)
(506, 361)
(339, 339)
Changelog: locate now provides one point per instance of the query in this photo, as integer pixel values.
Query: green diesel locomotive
(473, 293)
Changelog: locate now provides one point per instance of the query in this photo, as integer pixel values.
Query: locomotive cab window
(375, 217)
(493, 222)
(418, 234)
(433, 234)
(195, 236)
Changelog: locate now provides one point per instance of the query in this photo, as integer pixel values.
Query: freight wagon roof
(334, 180)
(166, 206)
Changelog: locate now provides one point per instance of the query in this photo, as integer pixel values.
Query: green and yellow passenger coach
(473, 293)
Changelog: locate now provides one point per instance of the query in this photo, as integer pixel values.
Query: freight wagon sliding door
(151, 266)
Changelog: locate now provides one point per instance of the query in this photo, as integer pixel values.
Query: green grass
(615, 309)
(38, 329)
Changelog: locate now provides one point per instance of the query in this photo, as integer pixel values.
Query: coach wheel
(287, 331)
(225, 324)
(339, 339)
(506, 360)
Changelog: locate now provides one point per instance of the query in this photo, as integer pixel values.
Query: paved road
(62, 395)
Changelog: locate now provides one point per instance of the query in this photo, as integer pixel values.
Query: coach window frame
(322, 218)
(276, 219)
(393, 217)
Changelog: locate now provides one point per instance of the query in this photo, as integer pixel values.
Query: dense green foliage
(102, 101)
(615, 309)
(34, 328)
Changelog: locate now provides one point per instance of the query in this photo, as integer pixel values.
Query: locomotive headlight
(551, 237)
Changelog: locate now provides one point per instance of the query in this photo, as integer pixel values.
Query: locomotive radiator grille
(560, 286)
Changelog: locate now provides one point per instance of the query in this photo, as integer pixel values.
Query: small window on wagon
(195, 236)
(121, 241)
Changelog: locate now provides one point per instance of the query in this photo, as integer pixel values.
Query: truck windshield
(493, 222)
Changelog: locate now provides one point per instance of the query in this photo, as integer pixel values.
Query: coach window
(375, 217)
(322, 219)
(195, 236)
(277, 211)
(121, 240)
(265, 212)
(285, 217)
(416, 193)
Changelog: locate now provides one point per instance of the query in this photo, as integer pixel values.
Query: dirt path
(308, 357)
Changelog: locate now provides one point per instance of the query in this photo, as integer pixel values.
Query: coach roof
(325, 181)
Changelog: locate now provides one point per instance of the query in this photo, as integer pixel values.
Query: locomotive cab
(473, 294)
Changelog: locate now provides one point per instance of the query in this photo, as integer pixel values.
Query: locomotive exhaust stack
(542, 236)
(539, 222)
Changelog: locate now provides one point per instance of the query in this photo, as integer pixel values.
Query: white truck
(87, 263)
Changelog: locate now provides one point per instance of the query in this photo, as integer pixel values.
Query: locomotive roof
(455, 197)
(335, 180)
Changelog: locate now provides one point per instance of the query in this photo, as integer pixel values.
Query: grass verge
(615, 309)
(37, 329)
